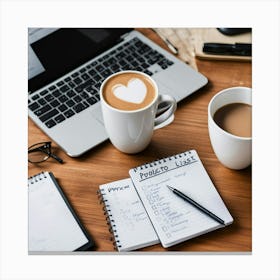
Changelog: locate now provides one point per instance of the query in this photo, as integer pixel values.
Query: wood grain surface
(81, 177)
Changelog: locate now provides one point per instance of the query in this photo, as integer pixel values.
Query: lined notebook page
(130, 223)
(174, 219)
(51, 225)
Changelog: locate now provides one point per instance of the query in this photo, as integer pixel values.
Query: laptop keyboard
(80, 89)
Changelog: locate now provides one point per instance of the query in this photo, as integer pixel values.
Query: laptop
(67, 66)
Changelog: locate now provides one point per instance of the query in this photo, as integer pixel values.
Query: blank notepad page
(51, 225)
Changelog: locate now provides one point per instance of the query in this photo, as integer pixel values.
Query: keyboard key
(86, 104)
(59, 118)
(62, 108)
(78, 89)
(63, 98)
(33, 106)
(106, 73)
(35, 97)
(77, 99)
(97, 97)
(55, 103)
(69, 113)
(70, 93)
(85, 76)
(49, 97)
(71, 84)
(139, 68)
(106, 63)
(78, 81)
(145, 65)
(83, 70)
(74, 75)
(49, 115)
(115, 67)
(56, 93)
(122, 62)
(51, 88)
(99, 68)
(134, 63)
(120, 55)
(68, 79)
(91, 90)
(97, 85)
(64, 88)
(92, 72)
(42, 101)
(169, 62)
(81, 87)
(112, 60)
(84, 94)
(79, 107)
(44, 92)
(91, 100)
(148, 72)
(50, 123)
(70, 103)
(60, 83)
(120, 48)
(132, 49)
(97, 78)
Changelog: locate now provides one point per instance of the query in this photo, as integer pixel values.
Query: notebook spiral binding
(36, 178)
(160, 161)
(110, 221)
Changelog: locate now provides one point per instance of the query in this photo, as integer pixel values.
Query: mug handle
(167, 117)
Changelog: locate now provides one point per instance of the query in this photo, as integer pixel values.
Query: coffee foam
(129, 91)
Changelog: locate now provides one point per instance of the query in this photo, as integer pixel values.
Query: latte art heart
(134, 92)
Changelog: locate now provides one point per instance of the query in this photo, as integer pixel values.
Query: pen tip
(169, 187)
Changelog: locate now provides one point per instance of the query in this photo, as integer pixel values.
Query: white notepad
(174, 219)
(129, 221)
(52, 224)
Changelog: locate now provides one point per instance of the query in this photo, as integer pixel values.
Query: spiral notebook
(174, 219)
(53, 225)
(126, 215)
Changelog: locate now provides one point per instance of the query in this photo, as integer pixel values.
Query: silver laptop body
(85, 130)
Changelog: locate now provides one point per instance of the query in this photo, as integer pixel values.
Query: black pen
(192, 202)
(241, 49)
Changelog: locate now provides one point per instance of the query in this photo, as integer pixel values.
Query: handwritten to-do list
(173, 219)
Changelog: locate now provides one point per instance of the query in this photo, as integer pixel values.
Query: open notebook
(128, 219)
(174, 219)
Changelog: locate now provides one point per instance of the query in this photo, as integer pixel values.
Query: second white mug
(233, 151)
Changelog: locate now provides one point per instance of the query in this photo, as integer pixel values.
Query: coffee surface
(235, 118)
(129, 91)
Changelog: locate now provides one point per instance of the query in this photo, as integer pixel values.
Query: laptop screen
(54, 52)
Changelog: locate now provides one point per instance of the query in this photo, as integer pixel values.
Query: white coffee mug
(131, 131)
(233, 151)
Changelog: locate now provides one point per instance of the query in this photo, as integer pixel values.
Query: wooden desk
(80, 177)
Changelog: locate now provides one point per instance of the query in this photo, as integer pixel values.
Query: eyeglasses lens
(38, 153)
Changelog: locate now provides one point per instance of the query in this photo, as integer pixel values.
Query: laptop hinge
(125, 35)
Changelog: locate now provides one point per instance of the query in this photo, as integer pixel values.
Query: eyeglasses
(40, 152)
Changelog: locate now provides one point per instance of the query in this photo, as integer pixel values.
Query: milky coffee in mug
(129, 102)
(235, 118)
(129, 91)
